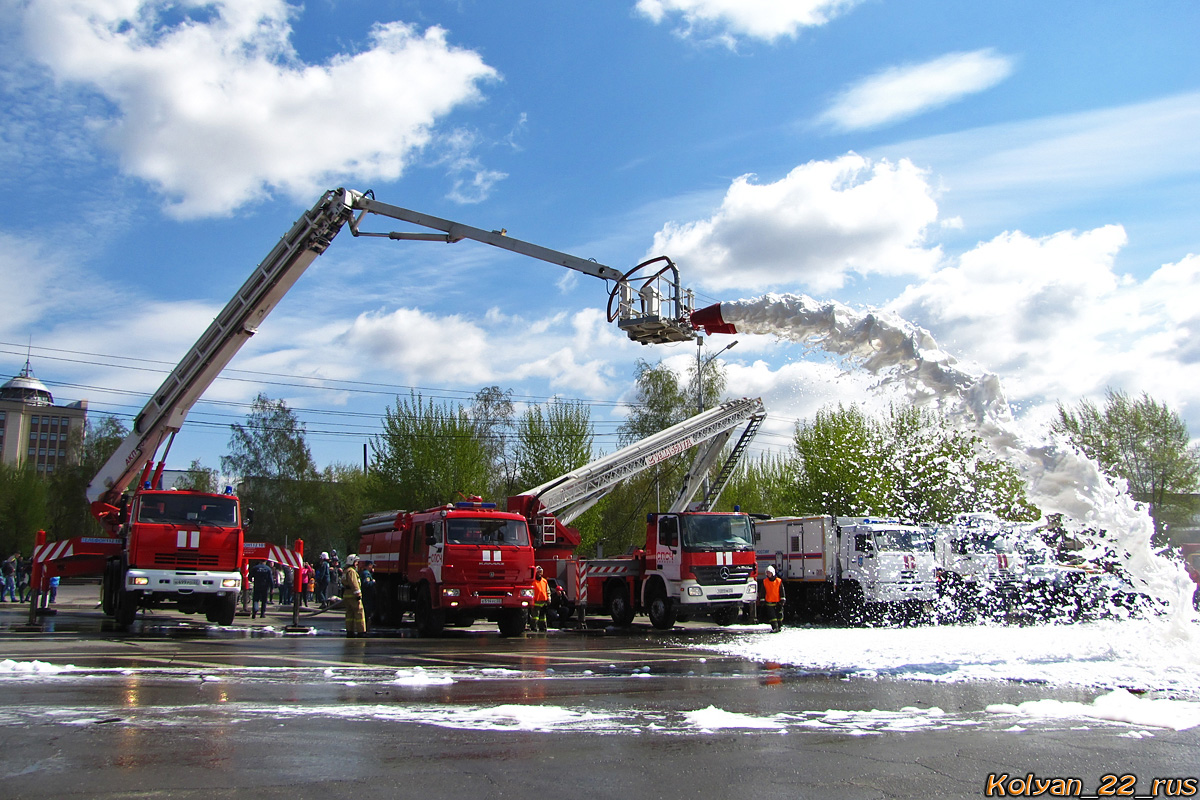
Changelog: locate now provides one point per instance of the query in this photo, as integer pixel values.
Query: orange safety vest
(771, 589)
(541, 591)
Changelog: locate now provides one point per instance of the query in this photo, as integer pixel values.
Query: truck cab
(886, 563)
(451, 565)
(705, 560)
(181, 548)
(981, 568)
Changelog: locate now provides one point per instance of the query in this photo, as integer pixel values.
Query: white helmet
(771, 570)
(351, 560)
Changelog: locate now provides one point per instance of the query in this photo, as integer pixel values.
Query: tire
(512, 622)
(619, 607)
(430, 621)
(126, 608)
(663, 611)
(108, 588)
(851, 604)
(726, 616)
(226, 609)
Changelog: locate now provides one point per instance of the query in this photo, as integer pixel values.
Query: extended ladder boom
(645, 321)
(568, 496)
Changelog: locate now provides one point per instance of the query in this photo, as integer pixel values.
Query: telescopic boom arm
(643, 319)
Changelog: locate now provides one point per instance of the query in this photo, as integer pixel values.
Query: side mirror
(430, 539)
(249, 516)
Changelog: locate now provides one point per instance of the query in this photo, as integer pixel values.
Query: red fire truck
(694, 561)
(188, 548)
(451, 566)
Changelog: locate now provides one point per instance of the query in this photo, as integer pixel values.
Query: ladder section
(739, 449)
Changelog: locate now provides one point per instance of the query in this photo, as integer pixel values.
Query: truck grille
(186, 559)
(717, 576)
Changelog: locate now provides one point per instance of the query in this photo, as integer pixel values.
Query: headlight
(527, 593)
(141, 581)
(450, 592)
(230, 583)
(695, 591)
(753, 588)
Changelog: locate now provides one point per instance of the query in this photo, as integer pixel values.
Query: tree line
(907, 462)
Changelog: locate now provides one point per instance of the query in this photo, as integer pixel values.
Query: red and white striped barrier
(53, 550)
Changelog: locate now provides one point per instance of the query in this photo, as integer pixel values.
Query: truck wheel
(851, 604)
(726, 616)
(126, 608)
(619, 607)
(226, 609)
(662, 611)
(430, 621)
(512, 622)
(108, 588)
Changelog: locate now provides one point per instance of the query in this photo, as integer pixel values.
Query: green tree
(66, 489)
(492, 410)
(659, 402)
(762, 485)
(836, 468)
(552, 441)
(1141, 441)
(911, 464)
(22, 508)
(198, 478)
(278, 476)
(428, 455)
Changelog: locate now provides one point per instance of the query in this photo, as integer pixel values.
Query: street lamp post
(701, 363)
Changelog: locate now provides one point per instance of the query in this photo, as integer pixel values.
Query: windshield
(906, 541)
(984, 543)
(187, 509)
(487, 531)
(716, 532)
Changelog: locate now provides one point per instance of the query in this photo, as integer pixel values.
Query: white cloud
(1056, 322)
(413, 344)
(898, 93)
(218, 108)
(823, 221)
(999, 172)
(758, 19)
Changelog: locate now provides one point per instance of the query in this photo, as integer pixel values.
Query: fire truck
(188, 548)
(450, 566)
(694, 561)
(856, 568)
(981, 567)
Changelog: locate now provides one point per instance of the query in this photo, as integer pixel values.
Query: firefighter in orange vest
(775, 596)
(541, 597)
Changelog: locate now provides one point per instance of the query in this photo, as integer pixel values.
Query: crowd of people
(321, 584)
(14, 579)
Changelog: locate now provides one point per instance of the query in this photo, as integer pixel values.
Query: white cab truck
(982, 571)
(854, 568)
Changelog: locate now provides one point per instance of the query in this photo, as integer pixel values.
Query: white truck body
(983, 569)
(849, 565)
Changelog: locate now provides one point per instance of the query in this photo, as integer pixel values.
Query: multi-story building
(35, 431)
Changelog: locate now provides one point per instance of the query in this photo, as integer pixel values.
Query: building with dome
(35, 431)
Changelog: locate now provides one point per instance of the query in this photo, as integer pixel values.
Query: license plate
(490, 601)
(187, 582)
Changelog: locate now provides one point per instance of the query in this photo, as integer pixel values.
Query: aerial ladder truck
(695, 561)
(189, 548)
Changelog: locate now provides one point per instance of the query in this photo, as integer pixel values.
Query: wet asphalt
(174, 707)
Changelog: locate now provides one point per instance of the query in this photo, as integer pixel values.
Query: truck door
(667, 552)
(435, 540)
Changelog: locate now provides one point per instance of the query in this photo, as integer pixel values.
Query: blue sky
(1019, 178)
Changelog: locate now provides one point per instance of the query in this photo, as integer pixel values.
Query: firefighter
(541, 598)
(775, 596)
(261, 576)
(356, 623)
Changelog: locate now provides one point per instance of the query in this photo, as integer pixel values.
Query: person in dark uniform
(262, 578)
